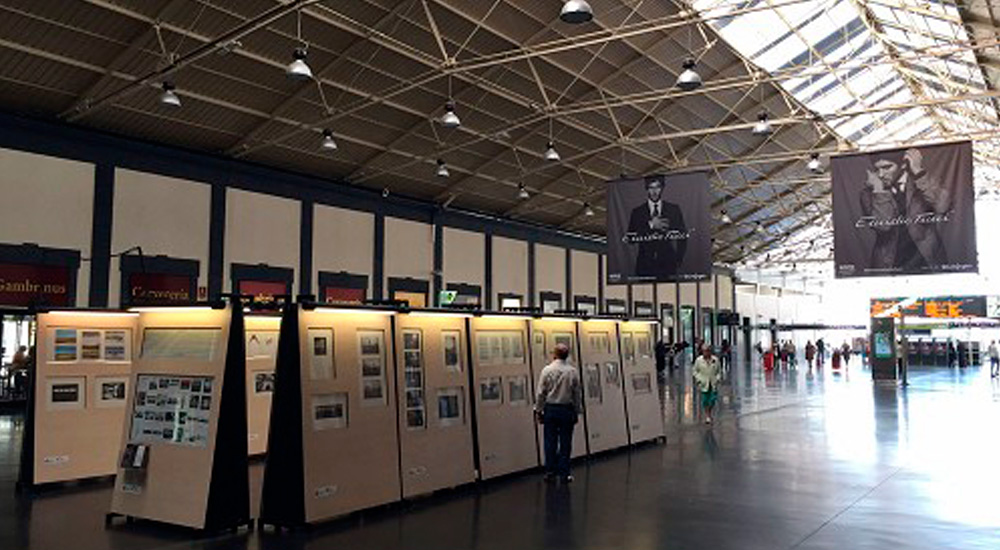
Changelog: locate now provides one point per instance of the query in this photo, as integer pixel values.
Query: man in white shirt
(559, 403)
(994, 359)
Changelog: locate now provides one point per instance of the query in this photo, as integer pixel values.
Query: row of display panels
(85, 362)
(170, 409)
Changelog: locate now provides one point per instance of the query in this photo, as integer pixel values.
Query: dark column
(216, 241)
(306, 248)
(378, 264)
(100, 238)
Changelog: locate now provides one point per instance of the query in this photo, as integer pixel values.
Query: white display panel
(496, 347)
(172, 410)
(190, 344)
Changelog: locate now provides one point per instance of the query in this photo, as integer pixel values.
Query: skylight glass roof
(882, 73)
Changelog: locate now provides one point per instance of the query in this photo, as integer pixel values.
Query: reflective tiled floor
(798, 459)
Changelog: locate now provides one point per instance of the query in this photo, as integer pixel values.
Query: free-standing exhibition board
(185, 456)
(433, 381)
(262, 351)
(645, 419)
(83, 364)
(545, 334)
(337, 449)
(604, 400)
(501, 378)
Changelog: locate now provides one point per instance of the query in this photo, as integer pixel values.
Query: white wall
(409, 250)
(584, 267)
(140, 218)
(261, 229)
(49, 202)
(343, 240)
(510, 268)
(464, 257)
(550, 271)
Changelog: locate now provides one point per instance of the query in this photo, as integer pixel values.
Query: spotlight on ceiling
(169, 97)
(576, 12)
(442, 169)
(550, 153)
(763, 126)
(689, 79)
(522, 192)
(328, 142)
(814, 165)
(587, 210)
(298, 69)
(449, 119)
(725, 217)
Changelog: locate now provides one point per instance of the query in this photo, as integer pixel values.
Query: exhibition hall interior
(576, 274)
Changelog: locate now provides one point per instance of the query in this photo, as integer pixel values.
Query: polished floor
(798, 459)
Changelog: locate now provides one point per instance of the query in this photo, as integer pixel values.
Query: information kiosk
(83, 363)
(603, 395)
(433, 380)
(546, 332)
(501, 379)
(333, 446)
(184, 460)
(645, 417)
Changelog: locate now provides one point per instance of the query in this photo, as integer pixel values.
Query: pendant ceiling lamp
(814, 164)
(298, 69)
(763, 126)
(587, 210)
(328, 142)
(449, 119)
(522, 192)
(551, 154)
(442, 169)
(576, 12)
(725, 217)
(689, 79)
(169, 97)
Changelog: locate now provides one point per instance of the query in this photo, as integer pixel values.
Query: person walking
(810, 353)
(558, 405)
(820, 352)
(707, 377)
(994, 359)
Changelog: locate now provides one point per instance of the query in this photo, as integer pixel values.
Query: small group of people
(559, 404)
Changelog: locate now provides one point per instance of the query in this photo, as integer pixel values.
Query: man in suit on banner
(658, 228)
(905, 206)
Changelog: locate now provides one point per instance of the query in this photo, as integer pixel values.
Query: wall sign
(160, 289)
(22, 285)
(262, 291)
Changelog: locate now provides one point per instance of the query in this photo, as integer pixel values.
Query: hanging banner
(22, 285)
(659, 229)
(905, 212)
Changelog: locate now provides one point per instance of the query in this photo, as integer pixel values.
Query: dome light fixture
(551, 154)
(588, 210)
(442, 169)
(328, 142)
(522, 192)
(689, 79)
(763, 126)
(725, 217)
(576, 12)
(814, 165)
(298, 69)
(169, 97)
(449, 119)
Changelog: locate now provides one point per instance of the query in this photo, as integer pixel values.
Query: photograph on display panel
(904, 211)
(659, 229)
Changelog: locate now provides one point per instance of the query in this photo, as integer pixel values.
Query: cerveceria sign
(22, 285)
(160, 289)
